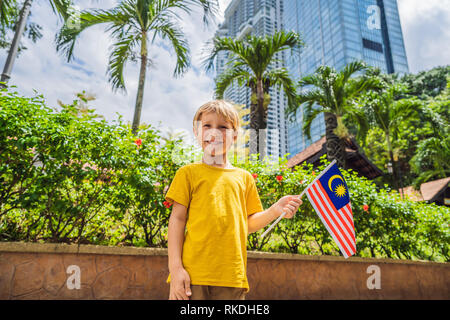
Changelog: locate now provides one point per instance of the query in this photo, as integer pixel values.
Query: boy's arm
(259, 220)
(180, 280)
(177, 223)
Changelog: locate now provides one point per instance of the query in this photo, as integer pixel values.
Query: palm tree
(333, 94)
(430, 161)
(388, 111)
(131, 23)
(60, 7)
(251, 64)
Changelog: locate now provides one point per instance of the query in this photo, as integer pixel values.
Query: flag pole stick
(300, 197)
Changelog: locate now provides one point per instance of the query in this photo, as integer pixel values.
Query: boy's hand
(288, 204)
(180, 285)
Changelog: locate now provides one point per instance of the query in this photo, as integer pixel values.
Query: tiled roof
(307, 153)
(356, 160)
(428, 190)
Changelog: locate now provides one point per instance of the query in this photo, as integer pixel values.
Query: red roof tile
(428, 190)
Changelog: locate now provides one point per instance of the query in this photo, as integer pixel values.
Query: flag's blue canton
(334, 179)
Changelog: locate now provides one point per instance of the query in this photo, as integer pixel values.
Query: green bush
(70, 177)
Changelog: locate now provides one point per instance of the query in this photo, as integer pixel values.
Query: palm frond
(257, 53)
(62, 8)
(222, 44)
(351, 69)
(121, 52)
(262, 51)
(280, 77)
(228, 77)
(67, 36)
(168, 29)
(6, 11)
(210, 9)
(311, 111)
(358, 117)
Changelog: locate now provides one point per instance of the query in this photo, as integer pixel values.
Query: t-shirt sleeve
(253, 201)
(180, 188)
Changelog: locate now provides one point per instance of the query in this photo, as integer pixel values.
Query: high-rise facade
(337, 32)
(258, 18)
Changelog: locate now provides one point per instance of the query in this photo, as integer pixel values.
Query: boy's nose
(214, 138)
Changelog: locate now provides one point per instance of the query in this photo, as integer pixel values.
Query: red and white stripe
(339, 223)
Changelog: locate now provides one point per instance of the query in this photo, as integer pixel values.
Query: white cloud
(426, 31)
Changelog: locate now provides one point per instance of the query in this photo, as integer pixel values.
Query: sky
(171, 102)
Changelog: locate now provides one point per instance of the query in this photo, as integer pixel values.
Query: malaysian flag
(328, 194)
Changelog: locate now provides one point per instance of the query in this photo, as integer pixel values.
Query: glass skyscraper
(335, 33)
(258, 18)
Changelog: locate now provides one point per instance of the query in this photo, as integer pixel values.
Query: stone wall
(58, 271)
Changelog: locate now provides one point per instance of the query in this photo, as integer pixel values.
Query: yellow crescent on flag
(332, 178)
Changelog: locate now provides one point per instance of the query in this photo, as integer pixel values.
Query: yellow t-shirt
(219, 201)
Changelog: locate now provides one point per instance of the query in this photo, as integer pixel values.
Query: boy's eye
(221, 127)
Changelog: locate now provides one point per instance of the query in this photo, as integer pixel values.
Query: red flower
(167, 204)
(254, 175)
(279, 178)
(138, 141)
(314, 173)
(366, 208)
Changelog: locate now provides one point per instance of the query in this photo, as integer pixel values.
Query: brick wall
(59, 271)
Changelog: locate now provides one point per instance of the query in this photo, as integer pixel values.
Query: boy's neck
(212, 161)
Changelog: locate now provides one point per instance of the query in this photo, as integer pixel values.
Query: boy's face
(215, 134)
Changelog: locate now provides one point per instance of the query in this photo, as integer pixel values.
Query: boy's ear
(198, 134)
(195, 129)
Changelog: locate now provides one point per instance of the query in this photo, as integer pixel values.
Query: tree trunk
(258, 119)
(391, 156)
(12, 54)
(140, 92)
(262, 132)
(254, 123)
(335, 145)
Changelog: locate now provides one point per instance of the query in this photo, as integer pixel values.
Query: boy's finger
(182, 295)
(187, 287)
(290, 214)
(291, 206)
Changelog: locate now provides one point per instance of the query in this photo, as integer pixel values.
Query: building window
(372, 45)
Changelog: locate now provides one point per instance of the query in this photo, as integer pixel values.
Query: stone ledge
(137, 251)
(81, 249)
(290, 256)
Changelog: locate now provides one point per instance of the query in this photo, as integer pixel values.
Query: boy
(219, 205)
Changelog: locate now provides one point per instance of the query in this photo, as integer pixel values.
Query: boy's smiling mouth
(213, 142)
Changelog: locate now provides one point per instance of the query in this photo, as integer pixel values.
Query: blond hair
(222, 107)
